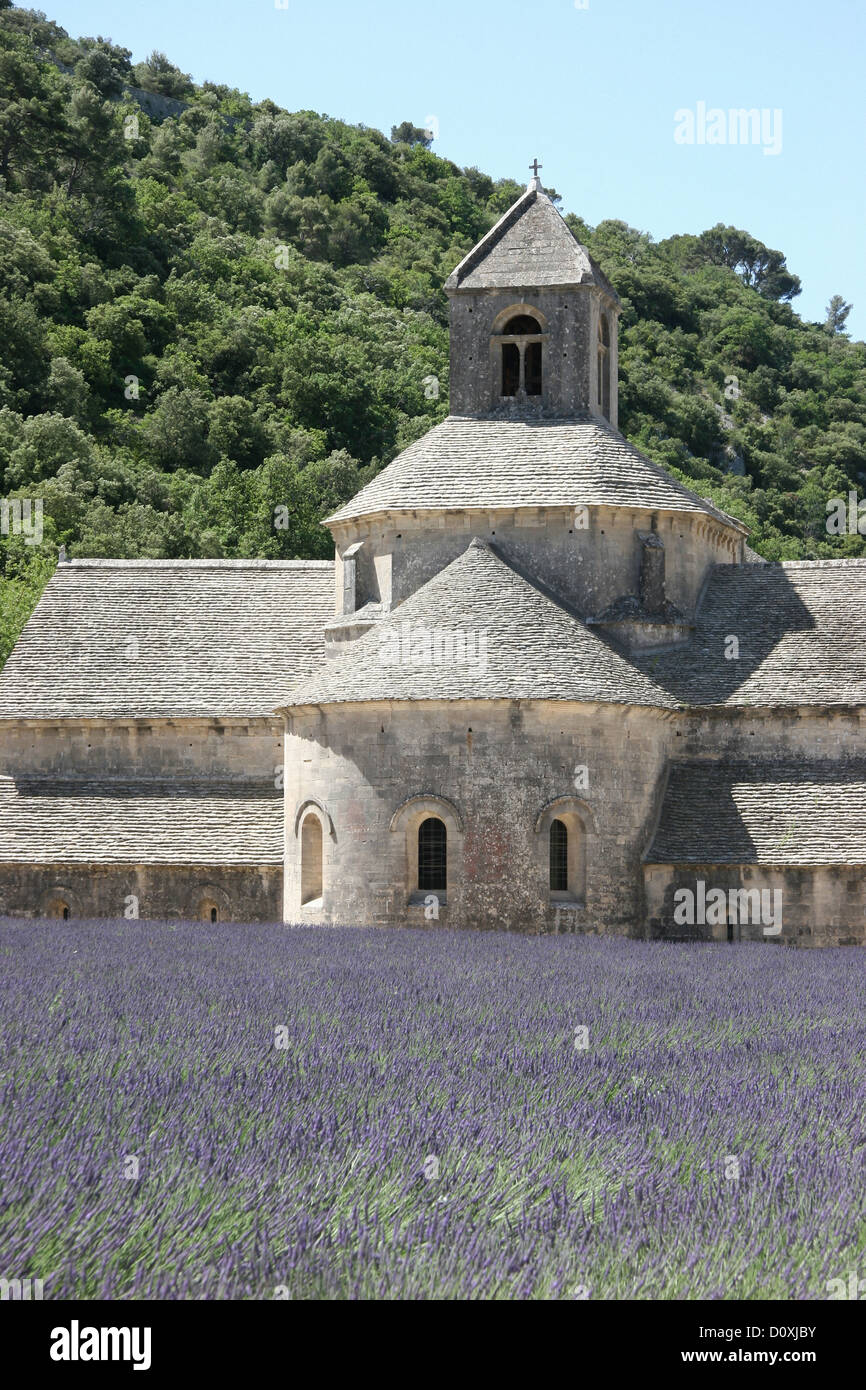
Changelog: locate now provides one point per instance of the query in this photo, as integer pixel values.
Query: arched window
(208, 902)
(311, 859)
(58, 908)
(432, 855)
(432, 831)
(562, 827)
(604, 365)
(521, 356)
(558, 857)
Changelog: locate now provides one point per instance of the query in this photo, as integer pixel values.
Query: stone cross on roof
(535, 181)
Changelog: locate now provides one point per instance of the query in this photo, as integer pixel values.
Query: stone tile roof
(486, 463)
(533, 647)
(763, 813)
(800, 625)
(112, 821)
(801, 630)
(222, 639)
(529, 247)
(139, 638)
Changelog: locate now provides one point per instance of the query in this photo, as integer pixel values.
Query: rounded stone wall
(496, 774)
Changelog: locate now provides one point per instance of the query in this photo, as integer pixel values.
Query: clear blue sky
(593, 92)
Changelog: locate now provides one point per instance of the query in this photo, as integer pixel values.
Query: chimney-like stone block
(351, 586)
(652, 572)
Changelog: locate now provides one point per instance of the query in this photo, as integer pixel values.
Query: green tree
(108, 68)
(31, 111)
(837, 314)
(157, 74)
(175, 433)
(406, 133)
(760, 268)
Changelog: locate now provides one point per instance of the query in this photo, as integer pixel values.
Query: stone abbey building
(543, 687)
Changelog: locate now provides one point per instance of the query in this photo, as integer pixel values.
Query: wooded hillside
(219, 319)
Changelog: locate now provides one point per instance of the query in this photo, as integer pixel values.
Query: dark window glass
(558, 858)
(604, 366)
(66, 914)
(522, 323)
(432, 855)
(510, 369)
(532, 369)
(213, 914)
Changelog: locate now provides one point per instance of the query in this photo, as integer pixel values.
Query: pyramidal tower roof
(530, 245)
(555, 447)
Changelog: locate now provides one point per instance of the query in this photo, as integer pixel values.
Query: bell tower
(533, 321)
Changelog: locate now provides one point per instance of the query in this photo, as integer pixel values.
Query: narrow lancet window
(604, 366)
(558, 857)
(432, 855)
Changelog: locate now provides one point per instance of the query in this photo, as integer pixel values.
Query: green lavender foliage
(289, 1112)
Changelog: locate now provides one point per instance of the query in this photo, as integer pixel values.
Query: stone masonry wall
(570, 322)
(497, 765)
(589, 567)
(206, 748)
(200, 749)
(818, 906)
(251, 894)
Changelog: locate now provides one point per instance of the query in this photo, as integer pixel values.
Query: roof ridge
(788, 761)
(800, 637)
(660, 471)
(533, 582)
(161, 641)
(845, 562)
(87, 562)
(162, 780)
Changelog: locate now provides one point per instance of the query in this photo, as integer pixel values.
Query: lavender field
(358, 1113)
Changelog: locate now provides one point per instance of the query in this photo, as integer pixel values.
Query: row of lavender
(227, 1112)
